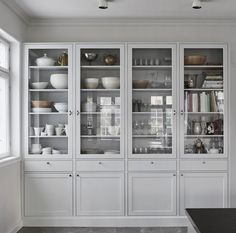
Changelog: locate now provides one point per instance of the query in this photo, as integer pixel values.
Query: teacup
(50, 129)
(59, 131)
(38, 131)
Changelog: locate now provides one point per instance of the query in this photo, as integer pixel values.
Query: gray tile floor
(103, 230)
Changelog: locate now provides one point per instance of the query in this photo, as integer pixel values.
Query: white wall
(10, 198)
(14, 30)
(157, 32)
(11, 23)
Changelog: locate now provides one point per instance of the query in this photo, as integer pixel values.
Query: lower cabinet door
(48, 194)
(100, 194)
(152, 194)
(203, 190)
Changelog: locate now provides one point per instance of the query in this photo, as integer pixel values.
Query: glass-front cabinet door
(152, 100)
(100, 100)
(203, 109)
(49, 100)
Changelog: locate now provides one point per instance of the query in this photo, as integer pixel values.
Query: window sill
(8, 161)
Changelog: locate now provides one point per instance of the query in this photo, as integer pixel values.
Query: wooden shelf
(53, 136)
(203, 136)
(153, 67)
(48, 90)
(100, 67)
(49, 67)
(152, 89)
(99, 90)
(203, 89)
(204, 66)
(48, 113)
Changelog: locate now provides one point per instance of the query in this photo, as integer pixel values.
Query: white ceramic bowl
(61, 107)
(39, 85)
(59, 81)
(91, 83)
(89, 107)
(111, 82)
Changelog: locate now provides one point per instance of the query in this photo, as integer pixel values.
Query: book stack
(201, 102)
(213, 82)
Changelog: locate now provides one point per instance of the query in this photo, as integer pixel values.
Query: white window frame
(5, 74)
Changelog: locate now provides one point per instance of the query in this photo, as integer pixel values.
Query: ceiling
(128, 9)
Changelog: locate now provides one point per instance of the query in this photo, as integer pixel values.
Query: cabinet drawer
(202, 165)
(100, 165)
(151, 165)
(48, 166)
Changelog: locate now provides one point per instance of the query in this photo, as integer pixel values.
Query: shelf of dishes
(108, 83)
(152, 62)
(154, 84)
(44, 106)
(39, 149)
(49, 130)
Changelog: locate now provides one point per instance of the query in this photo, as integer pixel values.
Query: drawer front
(48, 166)
(151, 165)
(202, 165)
(100, 165)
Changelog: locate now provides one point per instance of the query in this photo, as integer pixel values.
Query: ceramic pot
(45, 61)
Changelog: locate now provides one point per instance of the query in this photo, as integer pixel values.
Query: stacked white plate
(38, 110)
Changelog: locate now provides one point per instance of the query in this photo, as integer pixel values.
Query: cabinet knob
(70, 175)
(70, 113)
(182, 174)
(77, 175)
(48, 163)
(182, 112)
(203, 162)
(174, 174)
(152, 162)
(174, 112)
(77, 112)
(100, 163)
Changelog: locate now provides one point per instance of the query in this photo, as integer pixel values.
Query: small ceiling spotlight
(102, 4)
(197, 4)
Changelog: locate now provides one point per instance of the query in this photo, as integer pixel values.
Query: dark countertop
(213, 220)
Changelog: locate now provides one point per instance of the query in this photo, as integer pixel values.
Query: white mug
(38, 131)
(36, 148)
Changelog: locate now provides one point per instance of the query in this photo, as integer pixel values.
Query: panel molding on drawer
(100, 165)
(151, 165)
(203, 165)
(48, 166)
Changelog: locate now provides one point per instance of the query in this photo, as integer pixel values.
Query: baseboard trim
(106, 222)
(17, 227)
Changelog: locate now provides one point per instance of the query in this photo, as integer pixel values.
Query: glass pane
(100, 101)
(48, 102)
(204, 101)
(152, 101)
(3, 117)
(4, 55)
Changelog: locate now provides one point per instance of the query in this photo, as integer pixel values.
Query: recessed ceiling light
(102, 4)
(197, 4)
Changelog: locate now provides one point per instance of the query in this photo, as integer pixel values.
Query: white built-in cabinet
(48, 194)
(152, 145)
(203, 190)
(152, 194)
(100, 193)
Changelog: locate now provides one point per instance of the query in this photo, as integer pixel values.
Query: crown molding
(131, 22)
(17, 10)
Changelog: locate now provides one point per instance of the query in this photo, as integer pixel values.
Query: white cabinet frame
(184, 46)
(91, 46)
(174, 76)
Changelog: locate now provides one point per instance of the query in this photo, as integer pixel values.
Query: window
(4, 98)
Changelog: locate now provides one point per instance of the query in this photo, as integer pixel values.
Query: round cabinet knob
(203, 162)
(174, 174)
(152, 162)
(70, 113)
(77, 175)
(100, 163)
(48, 163)
(70, 175)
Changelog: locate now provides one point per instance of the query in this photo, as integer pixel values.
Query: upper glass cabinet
(49, 101)
(100, 79)
(203, 75)
(152, 102)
